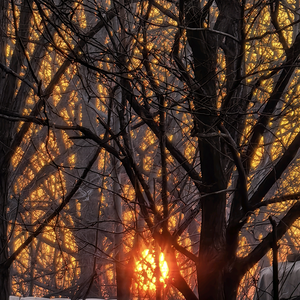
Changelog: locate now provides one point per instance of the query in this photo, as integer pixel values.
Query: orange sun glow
(145, 268)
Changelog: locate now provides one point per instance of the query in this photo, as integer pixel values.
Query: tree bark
(4, 272)
(214, 270)
(4, 283)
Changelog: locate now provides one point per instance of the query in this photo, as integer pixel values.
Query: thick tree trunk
(212, 240)
(231, 282)
(219, 282)
(216, 278)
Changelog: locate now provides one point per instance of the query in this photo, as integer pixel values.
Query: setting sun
(145, 268)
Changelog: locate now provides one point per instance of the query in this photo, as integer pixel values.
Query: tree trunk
(4, 272)
(8, 88)
(4, 283)
(216, 279)
(124, 277)
(218, 283)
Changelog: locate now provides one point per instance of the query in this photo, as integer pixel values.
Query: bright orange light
(145, 269)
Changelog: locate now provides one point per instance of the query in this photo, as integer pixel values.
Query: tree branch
(10, 71)
(260, 126)
(242, 182)
(176, 278)
(289, 197)
(56, 212)
(276, 172)
(274, 8)
(55, 80)
(246, 263)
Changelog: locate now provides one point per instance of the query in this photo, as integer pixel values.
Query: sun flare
(145, 268)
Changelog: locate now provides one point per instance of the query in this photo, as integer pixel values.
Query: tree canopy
(138, 134)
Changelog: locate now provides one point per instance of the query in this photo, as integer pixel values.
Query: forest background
(145, 144)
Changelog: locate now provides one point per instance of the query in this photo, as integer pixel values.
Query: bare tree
(166, 126)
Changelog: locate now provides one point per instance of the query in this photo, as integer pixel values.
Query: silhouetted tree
(131, 125)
